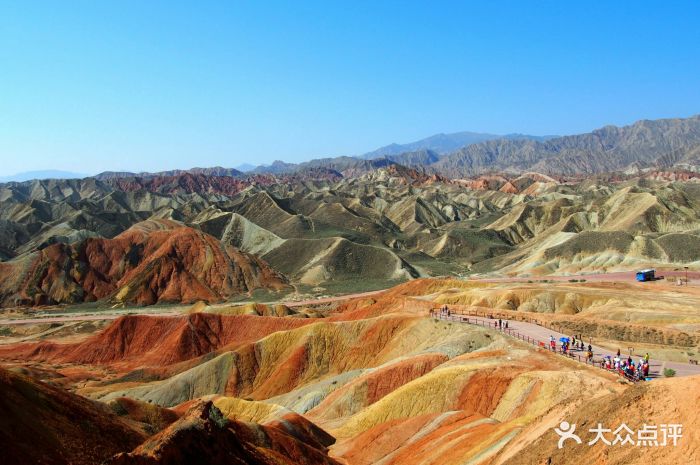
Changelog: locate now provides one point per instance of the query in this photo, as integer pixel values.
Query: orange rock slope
(204, 436)
(43, 424)
(155, 261)
(156, 341)
(377, 383)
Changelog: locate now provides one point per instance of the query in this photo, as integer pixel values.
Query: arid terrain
(368, 380)
(191, 237)
(349, 233)
(346, 311)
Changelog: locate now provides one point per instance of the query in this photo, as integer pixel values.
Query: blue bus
(646, 275)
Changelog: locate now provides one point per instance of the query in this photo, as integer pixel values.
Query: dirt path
(300, 303)
(65, 319)
(629, 276)
(694, 277)
(542, 334)
(112, 316)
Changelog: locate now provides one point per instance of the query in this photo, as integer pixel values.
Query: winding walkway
(539, 336)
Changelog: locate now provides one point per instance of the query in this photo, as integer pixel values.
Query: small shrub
(217, 417)
(669, 372)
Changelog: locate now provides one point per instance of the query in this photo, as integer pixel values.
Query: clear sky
(89, 86)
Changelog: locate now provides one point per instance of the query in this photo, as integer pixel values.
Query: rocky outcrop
(204, 436)
(157, 261)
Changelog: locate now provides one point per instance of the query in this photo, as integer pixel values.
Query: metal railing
(462, 318)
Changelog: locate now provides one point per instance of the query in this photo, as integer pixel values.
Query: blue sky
(92, 86)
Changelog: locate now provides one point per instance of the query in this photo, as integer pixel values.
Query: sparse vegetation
(309, 232)
(669, 372)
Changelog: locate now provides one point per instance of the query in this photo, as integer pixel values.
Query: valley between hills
(293, 315)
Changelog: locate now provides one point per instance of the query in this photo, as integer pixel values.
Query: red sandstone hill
(151, 262)
(204, 436)
(43, 424)
(157, 341)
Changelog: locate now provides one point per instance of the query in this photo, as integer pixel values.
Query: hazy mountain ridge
(42, 174)
(212, 171)
(443, 143)
(646, 144)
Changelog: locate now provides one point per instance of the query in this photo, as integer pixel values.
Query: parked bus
(646, 275)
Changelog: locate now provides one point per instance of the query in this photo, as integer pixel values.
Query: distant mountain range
(646, 144)
(214, 171)
(245, 167)
(43, 174)
(444, 143)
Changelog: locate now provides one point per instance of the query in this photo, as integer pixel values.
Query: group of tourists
(442, 312)
(638, 371)
(567, 345)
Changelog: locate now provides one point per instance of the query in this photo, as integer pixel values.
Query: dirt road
(63, 318)
(542, 334)
(325, 300)
(629, 276)
(694, 277)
